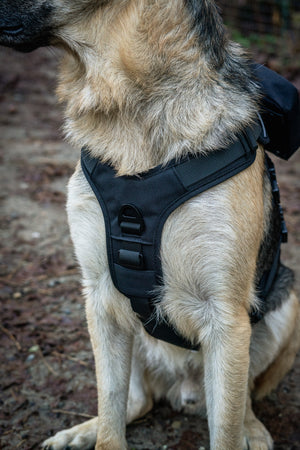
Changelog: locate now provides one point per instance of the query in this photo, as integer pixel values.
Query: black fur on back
(209, 27)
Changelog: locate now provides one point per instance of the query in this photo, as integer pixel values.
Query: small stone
(176, 424)
(53, 283)
(17, 295)
(34, 349)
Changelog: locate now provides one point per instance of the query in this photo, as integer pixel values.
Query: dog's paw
(81, 437)
(65, 441)
(257, 437)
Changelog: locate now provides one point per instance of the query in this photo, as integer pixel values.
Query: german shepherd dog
(144, 82)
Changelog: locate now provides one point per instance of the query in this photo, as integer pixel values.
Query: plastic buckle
(131, 259)
(284, 231)
(131, 220)
(275, 191)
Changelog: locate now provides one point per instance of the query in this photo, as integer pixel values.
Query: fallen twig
(11, 337)
(64, 273)
(6, 433)
(72, 413)
(8, 282)
(71, 358)
(47, 364)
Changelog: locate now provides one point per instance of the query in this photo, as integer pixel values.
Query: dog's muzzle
(25, 30)
(11, 29)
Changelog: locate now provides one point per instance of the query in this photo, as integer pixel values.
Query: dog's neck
(145, 82)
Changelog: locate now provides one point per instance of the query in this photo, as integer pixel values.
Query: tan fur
(139, 89)
(145, 90)
(269, 379)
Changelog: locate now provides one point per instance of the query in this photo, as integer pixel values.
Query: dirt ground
(47, 374)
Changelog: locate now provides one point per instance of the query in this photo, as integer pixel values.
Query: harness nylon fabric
(133, 243)
(280, 109)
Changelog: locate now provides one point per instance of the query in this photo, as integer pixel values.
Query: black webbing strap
(266, 282)
(135, 209)
(218, 166)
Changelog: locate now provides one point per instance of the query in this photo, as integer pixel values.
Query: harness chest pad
(135, 209)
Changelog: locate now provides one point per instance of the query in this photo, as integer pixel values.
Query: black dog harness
(135, 209)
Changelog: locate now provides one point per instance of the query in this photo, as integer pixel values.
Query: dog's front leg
(112, 347)
(226, 364)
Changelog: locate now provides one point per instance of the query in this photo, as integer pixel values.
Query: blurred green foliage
(269, 28)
